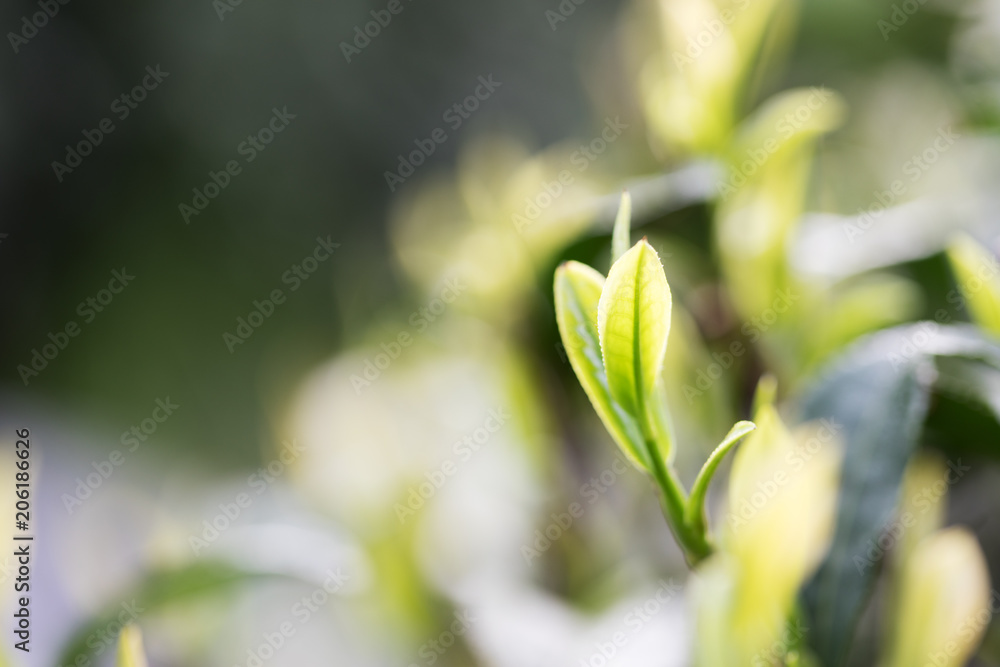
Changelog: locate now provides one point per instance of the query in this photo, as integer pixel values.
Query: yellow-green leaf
(978, 274)
(577, 293)
(130, 653)
(944, 602)
(633, 321)
(623, 223)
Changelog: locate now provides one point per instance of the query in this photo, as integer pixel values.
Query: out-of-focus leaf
(482, 223)
(695, 513)
(700, 405)
(944, 604)
(782, 499)
(965, 419)
(862, 307)
(966, 415)
(761, 201)
(978, 274)
(623, 222)
(690, 98)
(158, 590)
(970, 380)
(927, 510)
(130, 652)
(633, 321)
(879, 410)
(877, 397)
(766, 393)
(787, 120)
(577, 293)
(770, 436)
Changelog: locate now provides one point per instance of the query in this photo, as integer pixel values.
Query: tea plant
(771, 573)
(615, 333)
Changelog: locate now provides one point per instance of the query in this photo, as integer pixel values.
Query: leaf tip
(766, 393)
(622, 229)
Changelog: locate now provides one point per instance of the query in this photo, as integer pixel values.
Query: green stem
(673, 497)
(673, 500)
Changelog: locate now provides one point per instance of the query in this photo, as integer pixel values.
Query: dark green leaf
(878, 408)
(877, 397)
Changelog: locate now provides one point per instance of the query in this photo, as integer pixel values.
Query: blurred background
(278, 312)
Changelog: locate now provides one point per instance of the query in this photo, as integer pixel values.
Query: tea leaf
(944, 591)
(633, 321)
(978, 274)
(577, 293)
(623, 222)
(878, 404)
(695, 513)
(130, 653)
